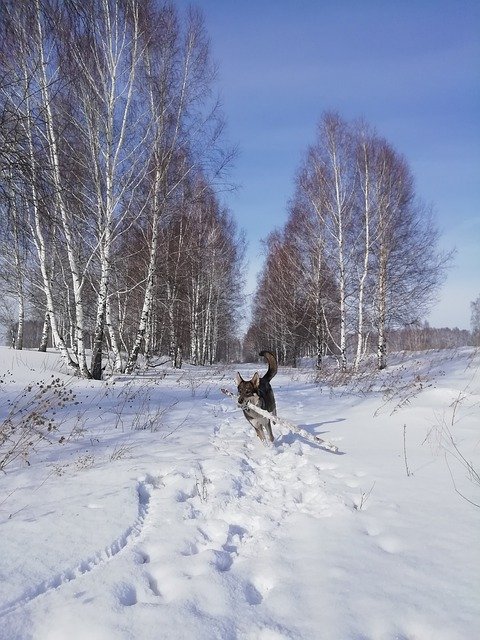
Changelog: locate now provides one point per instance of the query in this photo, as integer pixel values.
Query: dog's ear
(256, 380)
(238, 379)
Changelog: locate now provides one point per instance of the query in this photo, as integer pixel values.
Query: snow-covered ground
(153, 512)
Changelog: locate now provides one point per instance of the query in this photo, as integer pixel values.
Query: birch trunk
(119, 47)
(207, 325)
(147, 305)
(382, 305)
(339, 202)
(19, 270)
(45, 331)
(194, 302)
(39, 237)
(366, 256)
(20, 320)
(117, 354)
(59, 199)
(149, 289)
(172, 351)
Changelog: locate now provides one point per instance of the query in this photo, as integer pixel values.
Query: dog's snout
(242, 400)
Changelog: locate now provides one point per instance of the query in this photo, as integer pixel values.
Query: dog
(259, 392)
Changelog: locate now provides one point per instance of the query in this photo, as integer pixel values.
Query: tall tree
(327, 181)
(114, 115)
(366, 245)
(109, 133)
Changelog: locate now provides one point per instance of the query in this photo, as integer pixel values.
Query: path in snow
(222, 520)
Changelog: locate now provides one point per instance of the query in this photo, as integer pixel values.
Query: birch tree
(23, 57)
(365, 149)
(366, 247)
(119, 134)
(408, 267)
(185, 124)
(109, 132)
(13, 261)
(327, 181)
(50, 67)
(305, 230)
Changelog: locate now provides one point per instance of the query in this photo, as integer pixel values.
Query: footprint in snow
(190, 549)
(153, 585)
(126, 594)
(221, 560)
(142, 557)
(262, 584)
(252, 594)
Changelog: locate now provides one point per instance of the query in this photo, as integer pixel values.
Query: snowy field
(151, 511)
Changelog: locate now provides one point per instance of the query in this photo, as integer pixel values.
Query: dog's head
(247, 389)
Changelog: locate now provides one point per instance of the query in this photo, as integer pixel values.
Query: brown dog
(259, 392)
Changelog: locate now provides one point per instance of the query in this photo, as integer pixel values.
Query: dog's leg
(260, 433)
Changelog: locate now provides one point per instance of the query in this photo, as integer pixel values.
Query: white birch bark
(59, 199)
(329, 189)
(45, 331)
(365, 172)
(165, 146)
(37, 231)
(194, 320)
(18, 265)
(112, 334)
(339, 220)
(149, 289)
(107, 106)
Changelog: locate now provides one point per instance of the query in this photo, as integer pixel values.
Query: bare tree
(111, 111)
(327, 182)
(475, 321)
(408, 268)
(366, 258)
(187, 142)
(103, 46)
(23, 59)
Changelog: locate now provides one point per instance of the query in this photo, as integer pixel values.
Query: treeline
(413, 338)
(111, 155)
(421, 338)
(356, 258)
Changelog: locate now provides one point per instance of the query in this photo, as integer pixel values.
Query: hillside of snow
(144, 507)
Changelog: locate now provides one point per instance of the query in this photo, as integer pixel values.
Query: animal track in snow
(218, 518)
(252, 594)
(100, 558)
(126, 594)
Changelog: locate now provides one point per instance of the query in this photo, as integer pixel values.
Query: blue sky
(411, 68)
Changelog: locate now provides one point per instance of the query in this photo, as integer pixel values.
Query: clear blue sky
(411, 68)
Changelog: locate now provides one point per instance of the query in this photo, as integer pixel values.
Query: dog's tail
(272, 364)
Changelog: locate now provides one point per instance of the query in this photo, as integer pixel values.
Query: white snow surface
(160, 515)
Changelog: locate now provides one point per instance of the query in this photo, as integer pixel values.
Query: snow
(161, 515)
